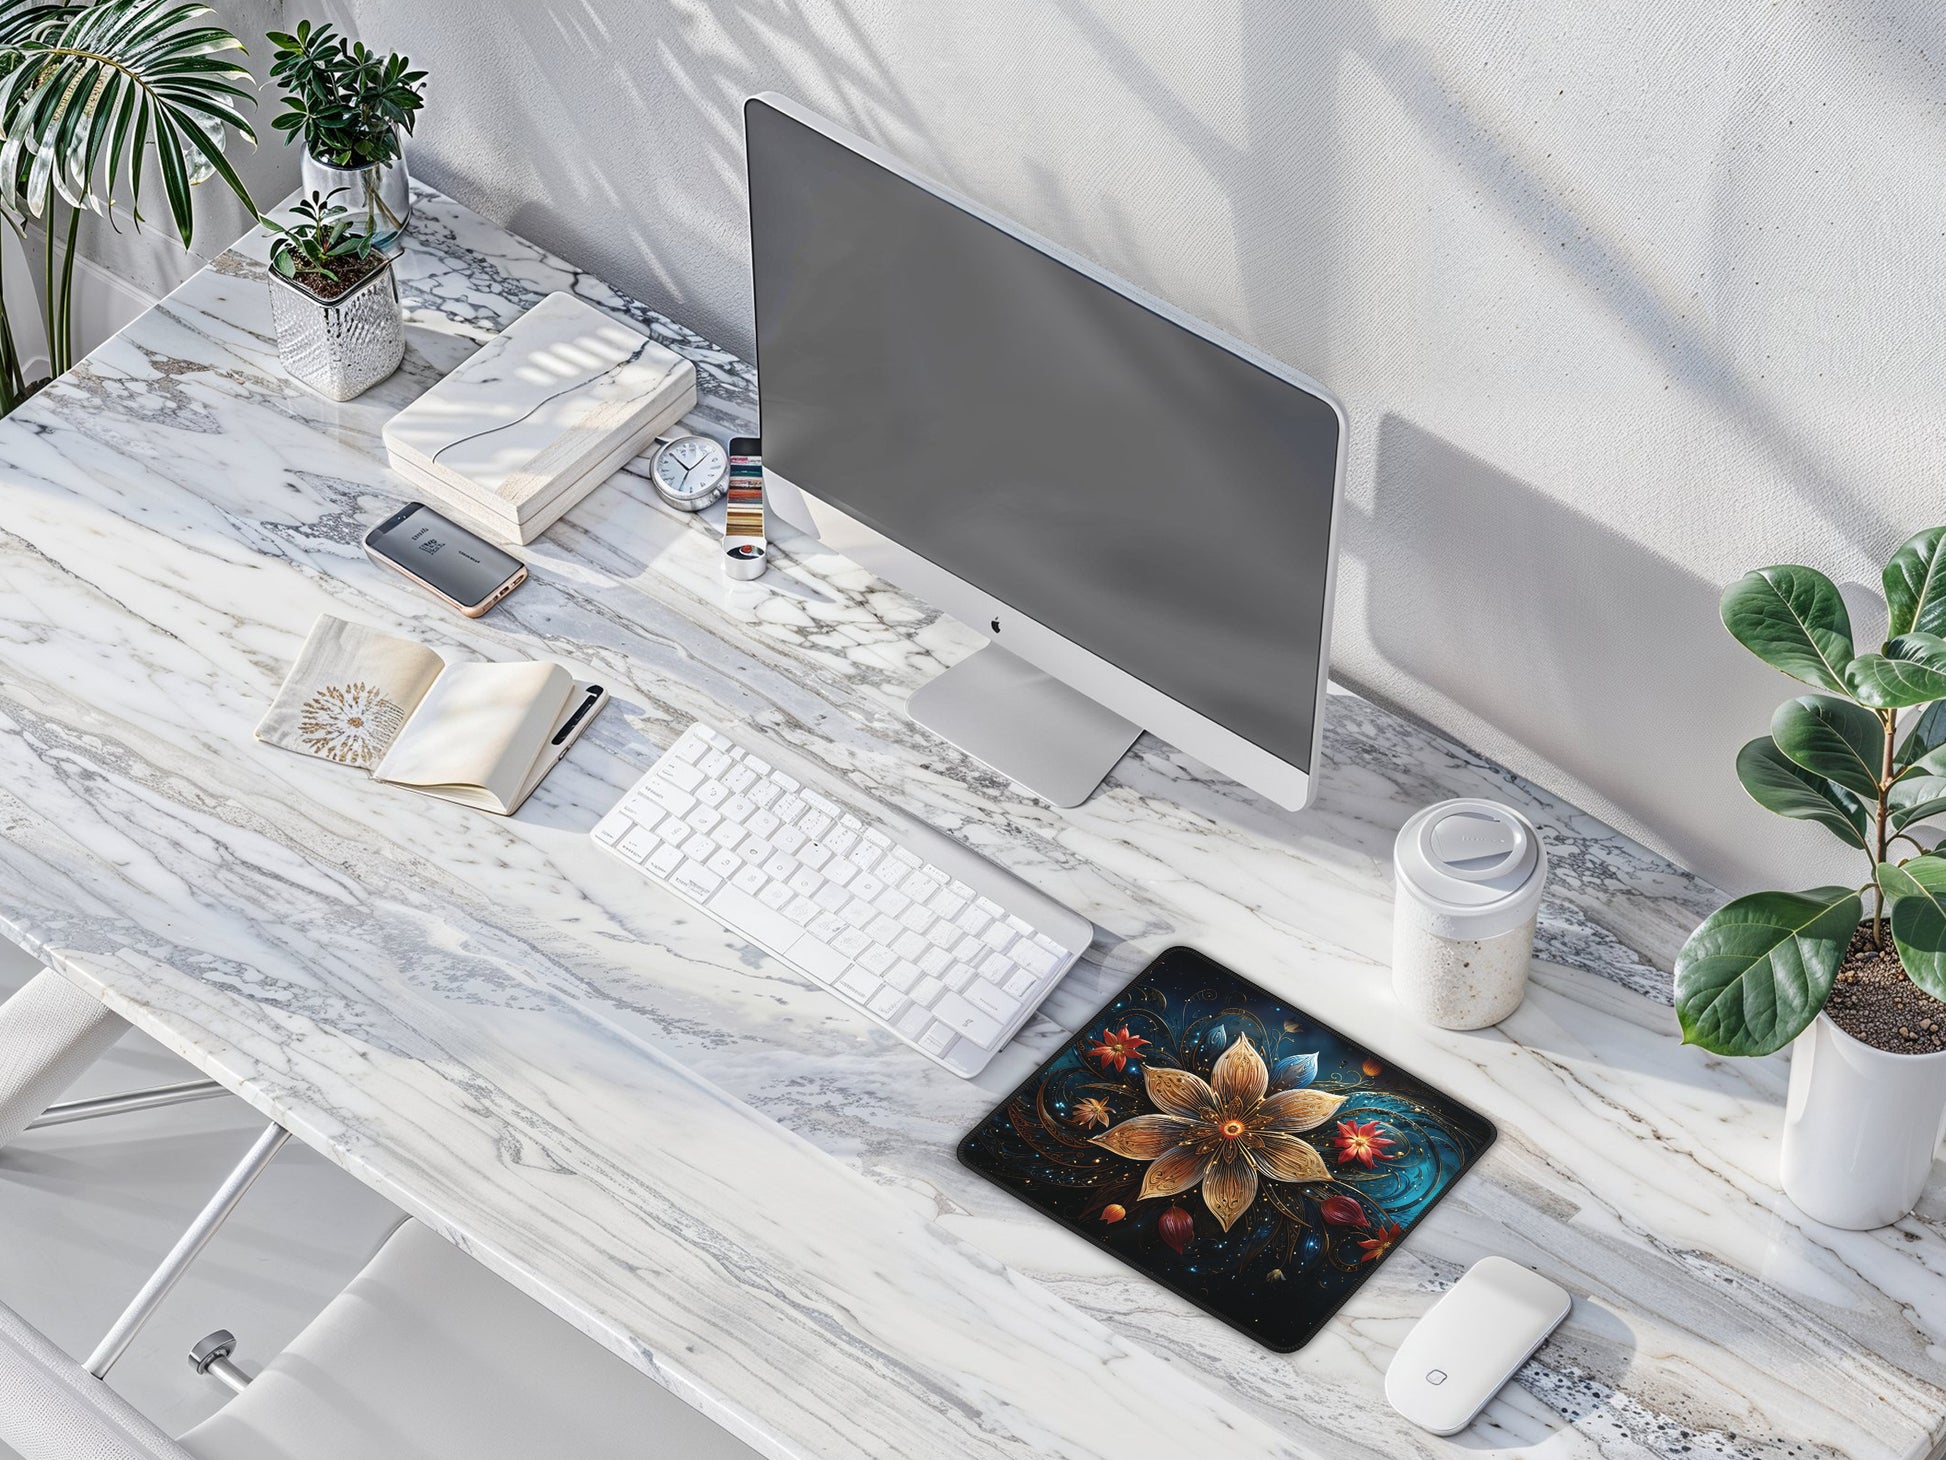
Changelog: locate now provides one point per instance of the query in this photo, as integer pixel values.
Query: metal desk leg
(49, 1033)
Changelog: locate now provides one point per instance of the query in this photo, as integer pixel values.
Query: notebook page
(350, 692)
(478, 731)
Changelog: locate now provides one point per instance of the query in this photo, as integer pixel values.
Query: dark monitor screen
(1138, 489)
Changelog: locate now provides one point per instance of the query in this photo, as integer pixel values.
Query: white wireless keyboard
(948, 951)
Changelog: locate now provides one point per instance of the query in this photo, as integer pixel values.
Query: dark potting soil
(351, 273)
(1874, 1001)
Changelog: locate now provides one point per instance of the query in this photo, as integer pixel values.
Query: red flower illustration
(1361, 1143)
(1383, 1239)
(1342, 1211)
(1117, 1048)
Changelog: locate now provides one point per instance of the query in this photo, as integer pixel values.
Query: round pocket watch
(689, 471)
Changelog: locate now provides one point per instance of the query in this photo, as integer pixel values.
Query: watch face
(690, 469)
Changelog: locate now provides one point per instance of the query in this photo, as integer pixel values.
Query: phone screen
(442, 554)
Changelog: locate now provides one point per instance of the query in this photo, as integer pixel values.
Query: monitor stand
(1026, 724)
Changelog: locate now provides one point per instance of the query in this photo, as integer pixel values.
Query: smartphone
(459, 568)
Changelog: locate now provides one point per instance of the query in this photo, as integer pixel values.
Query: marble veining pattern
(707, 1163)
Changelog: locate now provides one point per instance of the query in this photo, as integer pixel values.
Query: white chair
(428, 1356)
(424, 1356)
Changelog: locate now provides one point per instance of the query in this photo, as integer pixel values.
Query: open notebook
(480, 734)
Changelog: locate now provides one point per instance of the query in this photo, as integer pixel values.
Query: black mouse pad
(1229, 1146)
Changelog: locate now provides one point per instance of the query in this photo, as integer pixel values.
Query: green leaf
(1911, 671)
(1917, 899)
(1777, 783)
(1915, 585)
(1925, 735)
(1792, 618)
(1831, 738)
(1755, 974)
(1914, 798)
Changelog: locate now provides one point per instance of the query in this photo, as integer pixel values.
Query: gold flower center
(1230, 1129)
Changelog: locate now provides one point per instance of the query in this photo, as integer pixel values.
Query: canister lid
(1476, 868)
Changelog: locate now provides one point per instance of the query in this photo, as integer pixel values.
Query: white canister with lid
(1470, 875)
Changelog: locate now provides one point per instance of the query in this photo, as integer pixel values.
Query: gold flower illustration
(349, 723)
(1224, 1134)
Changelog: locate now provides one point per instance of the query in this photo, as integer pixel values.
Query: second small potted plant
(350, 106)
(1853, 975)
(334, 300)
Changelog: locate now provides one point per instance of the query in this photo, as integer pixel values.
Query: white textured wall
(1623, 299)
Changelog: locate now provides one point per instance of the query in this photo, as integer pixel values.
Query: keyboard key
(865, 855)
(682, 776)
(996, 967)
(842, 841)
(726, 834)
(703, 818)
(828, 895)
(740, 778)
(918, 885)
(841, 872)
(822, 804)
(806, 883)
(883, 962)
(937, 1039)
(670, 798)
(694, 881)
(942, 935)
(913, 1020)
(999, 937)
(996, 1002)
(883, 929)
(690, 747)
(957, 976)
(962, 1018)
(801, 910)
(819, 961)
(638, 844)
(886, 1003)
(739, 808)
(765, 792)
(824, 927)
(763, 823)
(714, 764)
(1020, 982)
(934, 962)
(855, 983)
(666, 860)
(858, 913)
(888, 900)
(716, 738)
(926, 990)
(749, 879)
(712, 793)
(788, 839)
(699, 848)
(725, 863)
(971, 950)
(1034, 959)
(948, 906)
(611, 829)
(909, 945)
(972, 920)
(789, 808)
(814, 856)
(775, 895)
(851, 942)
(917, 918)
(756, 850)
(780, 867)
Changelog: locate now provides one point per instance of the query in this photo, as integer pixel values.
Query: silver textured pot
(379, 197)
(339, 347)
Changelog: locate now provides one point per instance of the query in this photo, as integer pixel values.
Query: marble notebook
(539, 416)
(474, 733)
(1228, 1145)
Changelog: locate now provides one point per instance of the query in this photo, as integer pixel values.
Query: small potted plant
(350, 105)
(335, 301)
(1860, 993)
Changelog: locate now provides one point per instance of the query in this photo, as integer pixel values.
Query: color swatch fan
(1230, 1146)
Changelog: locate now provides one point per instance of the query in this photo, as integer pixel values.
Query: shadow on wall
(1492, 594)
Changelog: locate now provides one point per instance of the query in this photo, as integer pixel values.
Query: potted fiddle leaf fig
(1852, 976)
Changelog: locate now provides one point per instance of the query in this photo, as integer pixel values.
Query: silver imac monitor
(1139, 512)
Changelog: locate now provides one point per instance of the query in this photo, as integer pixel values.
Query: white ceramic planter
(1860, 1127)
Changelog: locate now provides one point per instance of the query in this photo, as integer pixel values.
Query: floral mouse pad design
(1229, 1146)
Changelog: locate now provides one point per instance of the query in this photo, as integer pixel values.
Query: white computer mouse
(1471, 1342)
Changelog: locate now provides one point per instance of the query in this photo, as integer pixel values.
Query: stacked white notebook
(538, 418)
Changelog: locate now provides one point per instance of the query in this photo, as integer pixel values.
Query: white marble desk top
(710, 1164)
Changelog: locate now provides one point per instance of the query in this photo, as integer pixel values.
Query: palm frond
(91, 93)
